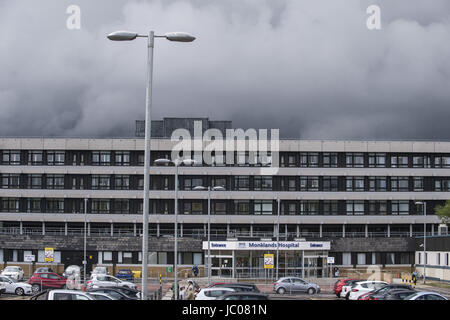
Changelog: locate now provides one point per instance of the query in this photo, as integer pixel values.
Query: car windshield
(410, 296)
(11, 269)
(124, 271)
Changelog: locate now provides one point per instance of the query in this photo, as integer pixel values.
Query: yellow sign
(268, 261)
(48, 255)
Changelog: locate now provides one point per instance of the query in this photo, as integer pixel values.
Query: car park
(347, 287)
(362, 287)
(40, 281)
(101, 281)
(13, 272)
(14, 287)
(243, 296)
(64, 295)
(102, 296)
(425, 295)
(212, 293)
(125, 274)
(250, 286)
(382, 292)
(114, 292)
(295, 285)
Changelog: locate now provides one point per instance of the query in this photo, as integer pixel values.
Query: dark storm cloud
(310, 68)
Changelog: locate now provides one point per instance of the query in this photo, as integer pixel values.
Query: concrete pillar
(43, 228)
(89, 229)
(205, 230)
(228, 229)
(343, 231)
(112, 229)
(432, 229)
(251, 230)
(65, 228)
(275, 231)
(285, 231)
(157, 229)
(181, 229)
(21, 228)
(367, 231)
(233, 263)
(410, 230)
(298, 231)
(389, 230)
(134, 229)
(320, 231)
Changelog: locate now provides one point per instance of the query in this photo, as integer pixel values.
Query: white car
(212, 293)
(102, 296)
(107, 281)
(13, 272)
(346, 289)
(100, 270)
(11, 286)
(425, 295)
(63, 295)
(365, 286)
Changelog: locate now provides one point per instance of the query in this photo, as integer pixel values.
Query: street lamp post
(424, 238)
(217, 188)
(85, 240)
(175, 264)
(278, 234)
(129, 36)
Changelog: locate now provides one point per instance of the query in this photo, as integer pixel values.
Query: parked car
(114, 292)
(129, 292)
(102, 296)
(100, 270)
(251, 286)
(293, 284)
(236, 287)
(13, 272)
(44, 270)
(125, 274)
(381, 293)
(396, 294)
(212, 293)
(243, 296)
(72, 271)
(347, 287)
(62, 295)
(102, 281)
(339, 284)
(359, 288)
(2, 288)
(425, 295)
(39, 281)
(13, 286)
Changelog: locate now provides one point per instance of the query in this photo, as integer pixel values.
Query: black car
(129, 292)
(381, 293)
(114, 292)
(397, 294)
(243, 296)
(239, 286)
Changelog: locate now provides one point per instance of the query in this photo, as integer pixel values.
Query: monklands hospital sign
(267, 245)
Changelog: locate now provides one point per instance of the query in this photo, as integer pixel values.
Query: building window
(288, 208)
(354, 160)
(262, 207)
(354, 184)
(10, 205)
(122, 206)
(390, 258)
(34, 205)
(101, 158)
(10, 181)
(100, 206)
(35, 181)
(219, 207)
(193, 207)
(308, 159)
(399, 184)
(191, 183)
(361, 258)
(418, 183)
(219, 182)
(377, 207)
(377, 160)
(330, 208)
(242, 183)
(122, 182)
(442, 185)
(288, 160)
(56, 158)
(55, 205)
(122, 158)
(54, 181)
(309, 207)
(242, 207)
(355, 207)
(330, 184)
(11, 157)
(441, 162)
(400, 207)
(262, 183)
(35, 158)
(309, 183)
(330, 160)
(101, 182)
(288, 184)
(398, 161)
(377, 184)
(346, 259)
(421, 162)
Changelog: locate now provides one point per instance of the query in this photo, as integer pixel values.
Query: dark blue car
(125, 274)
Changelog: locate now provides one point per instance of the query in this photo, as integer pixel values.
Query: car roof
(218, 288)
(244, 294)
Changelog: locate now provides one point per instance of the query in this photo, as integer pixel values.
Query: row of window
(287, 159)
(238, 183)
(218, 207)
(434, 258)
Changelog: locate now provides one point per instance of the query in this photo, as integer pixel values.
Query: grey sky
(310, 68)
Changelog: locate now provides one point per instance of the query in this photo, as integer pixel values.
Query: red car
(339, 284)
(46, 280)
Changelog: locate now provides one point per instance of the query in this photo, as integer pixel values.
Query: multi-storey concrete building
(353, 200)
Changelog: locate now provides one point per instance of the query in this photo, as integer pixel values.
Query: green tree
(443, 212)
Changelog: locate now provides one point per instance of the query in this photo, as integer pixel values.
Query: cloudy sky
(308, 67)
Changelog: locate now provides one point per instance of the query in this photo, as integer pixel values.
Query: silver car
(295, 285)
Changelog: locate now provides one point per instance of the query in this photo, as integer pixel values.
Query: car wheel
(36, 288)
(20, 292)
(281, 291)
(311, 291)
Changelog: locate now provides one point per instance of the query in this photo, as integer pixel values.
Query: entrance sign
(268, 261)
(330, 260)
(48, 255)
